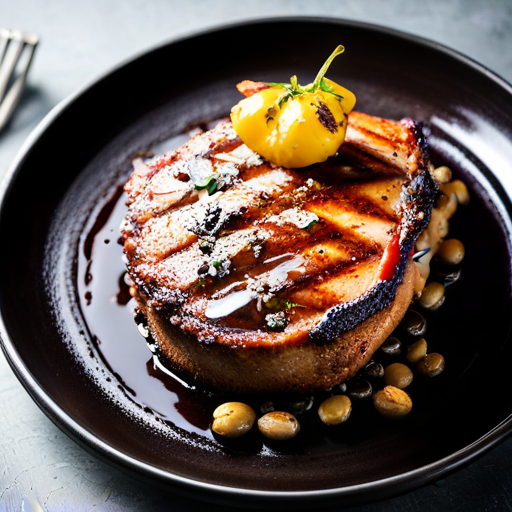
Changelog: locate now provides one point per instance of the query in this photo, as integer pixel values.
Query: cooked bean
(374, 370)
(432, 296)
(392, 346)
(414, 323)
(451, 251)
(278, 425)
(335, 410)
(431, 365)
(233, 419)
(443, 227)
(442, 202)
(460, 190)
(398, 375)
(448, 201)
(443, 174)
(359, 388)
(392, 402)
(417, 351)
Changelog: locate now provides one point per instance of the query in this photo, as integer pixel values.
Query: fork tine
(17, 51)
(12, 54)
(13, 96)
(5, 34)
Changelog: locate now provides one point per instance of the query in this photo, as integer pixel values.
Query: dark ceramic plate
(79, 155)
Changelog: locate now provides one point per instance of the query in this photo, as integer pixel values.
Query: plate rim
(379, 488)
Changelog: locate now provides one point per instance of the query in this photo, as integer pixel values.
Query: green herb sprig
(293, 88)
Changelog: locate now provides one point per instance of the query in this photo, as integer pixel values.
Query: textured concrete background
(82, 39)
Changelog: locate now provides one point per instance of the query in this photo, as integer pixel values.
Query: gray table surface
(81, 40)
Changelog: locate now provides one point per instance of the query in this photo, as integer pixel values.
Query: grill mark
(352, 236)
(371, 134)
(243, 219)
(246, 217)
(361, 251)
(364, 206)
(361, 205)
(365, 161)
(335, 270)
(304, 280)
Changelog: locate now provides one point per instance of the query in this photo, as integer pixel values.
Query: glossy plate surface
(80, 154)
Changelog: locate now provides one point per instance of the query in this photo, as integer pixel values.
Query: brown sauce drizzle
(109, 312)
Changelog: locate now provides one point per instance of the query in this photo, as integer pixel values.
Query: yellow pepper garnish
(292, 125)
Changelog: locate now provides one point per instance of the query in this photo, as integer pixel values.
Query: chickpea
(335, 410)
(443, 227)
(443, 174)
(432, 296)
(451, 251)
(398, 375)
(460, 190)
(431, 365)
(392, 402)
(448, 201)
(278, 425)
(417, 351)
(442, 202)
(233, 419)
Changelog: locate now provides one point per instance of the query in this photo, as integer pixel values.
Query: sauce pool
(117, 332)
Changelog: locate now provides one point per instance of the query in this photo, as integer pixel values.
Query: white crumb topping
(242, 155)
(300, 218)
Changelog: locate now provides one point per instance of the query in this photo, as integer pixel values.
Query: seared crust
(280, 368)
(283, 279)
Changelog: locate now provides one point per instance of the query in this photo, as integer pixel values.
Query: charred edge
(367, 207)
(422, 140)
(364, 161)
(326, 117)
(347, 316)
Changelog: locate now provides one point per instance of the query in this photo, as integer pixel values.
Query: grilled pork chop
(254, 277)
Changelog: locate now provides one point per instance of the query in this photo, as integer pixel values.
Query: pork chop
(255, 277)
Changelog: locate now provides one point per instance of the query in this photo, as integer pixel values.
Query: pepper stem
(325, 67)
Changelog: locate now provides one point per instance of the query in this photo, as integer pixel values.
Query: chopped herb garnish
(276, 321)
(209, 184)
(311, 224)
(282, 304)
(294, 89)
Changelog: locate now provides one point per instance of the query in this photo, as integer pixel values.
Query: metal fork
(16, 52)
